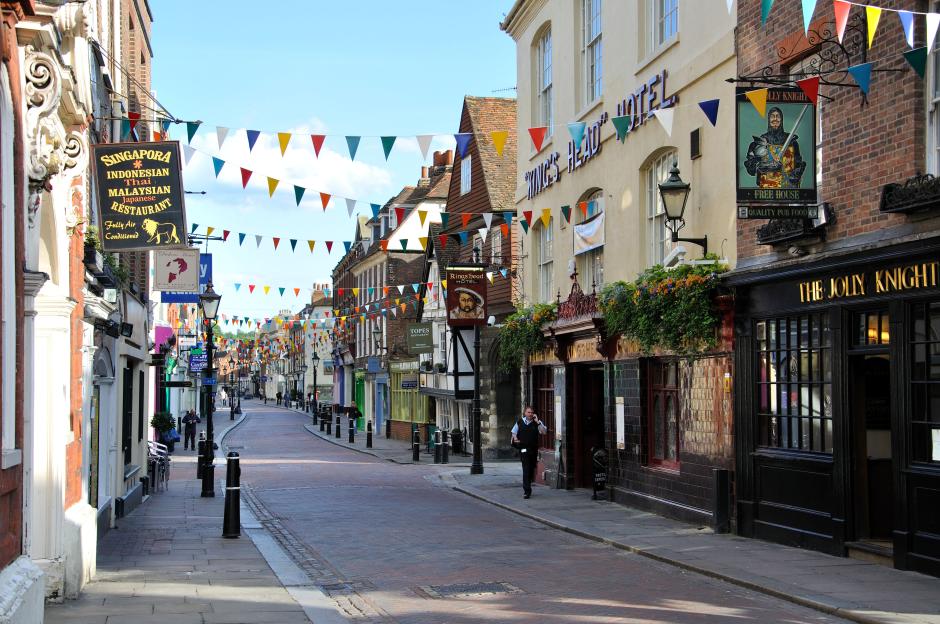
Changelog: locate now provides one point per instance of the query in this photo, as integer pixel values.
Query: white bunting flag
(220, 133)
(258, 238)
(188, 153)
(350, 205)
(665, 116)
(483, 232)
(933, 21)
(424, 143)
(401, 289)
(488, 219)
(730, 4)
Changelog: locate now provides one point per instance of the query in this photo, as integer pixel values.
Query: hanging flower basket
(521, 334)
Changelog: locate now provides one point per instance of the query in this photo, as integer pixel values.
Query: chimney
(447, 158)
(424, 173)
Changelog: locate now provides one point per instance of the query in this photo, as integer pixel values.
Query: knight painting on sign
(776, 151)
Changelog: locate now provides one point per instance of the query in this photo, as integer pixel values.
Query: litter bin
(456, 441)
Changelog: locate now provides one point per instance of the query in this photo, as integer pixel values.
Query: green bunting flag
(298, 193)
(917, 59)
(281, 289)
(445, 219)
(765, 6)
(387, 143)
(191, 127)
(566, 211)
(525, 225)
(404, 244)
(622, 125)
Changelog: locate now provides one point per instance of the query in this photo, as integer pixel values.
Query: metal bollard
(722, 504)
(352, 430)
(388, 427)
(315, 417)
(200, 456)
(231, 520)
(415, 445)
(329, 425)
(445, 447)
(369, 434)
(438, 450)
(338, 427)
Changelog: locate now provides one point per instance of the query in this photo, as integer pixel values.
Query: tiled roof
(489, 114)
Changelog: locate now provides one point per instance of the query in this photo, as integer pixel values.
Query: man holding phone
(525, 437)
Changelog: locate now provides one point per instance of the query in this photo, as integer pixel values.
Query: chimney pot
(447, 158)
(424, 172)
(437, 159)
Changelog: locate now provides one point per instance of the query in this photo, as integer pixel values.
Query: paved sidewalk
(855, 590)
(167, 563)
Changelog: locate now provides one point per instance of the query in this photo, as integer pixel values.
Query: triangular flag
(298, 193)
(188, 153)
(317, 142)
(293, 244)
(622, 125)
(352, 142)
(488, 219)
(277, 241)
(387, 143)
(862, 75)
(191, 127)
(583, 207)
(350, 206)
(251, 288)
(507, 216)
(842, 16)
(267, 289)
(566, 213)
(133, 118)
(525, 225)
(209, 231)
(296, 292)
(237, 286)
(758, 97)
(504, 228)
(220, 133)
(423, 240)
(489, 276)
(576, 130)
(464, 236)
(528, 216)
(399, 214)
(272, 184)
(384, 244)
(483, 232)
(225, 234)
(404, 244)
(907, 23)
(463, 140)
(347, 245)
(872, 15)
(217, 163)
(499, 140)
(665, 117)
(546, 216)
(329, 246)
(283, 138)
(157, 136)
(710, 108)
(375, 210)
(918, 60)
(465, 218)
(445, 219)
(281, 288)
(246, 174)
(258, 238)
(424, 144)
(241, 238)
(538, 136)
(311, 244)
(810, 86)
(808, 7)
(933, 21)
(504, 272)
(730, 4)
(252, 136)
(125, 127)
(765, 6)
(324, 199)
(443, 240)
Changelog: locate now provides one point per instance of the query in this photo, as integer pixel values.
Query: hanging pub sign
(466, 296)
(140, 195)
(420, 338)
(776, 149)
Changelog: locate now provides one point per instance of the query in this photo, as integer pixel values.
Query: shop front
(837, 405)
(408, 407)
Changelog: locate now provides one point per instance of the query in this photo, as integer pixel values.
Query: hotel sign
(648, 97)
(922, 275)
(543, 176)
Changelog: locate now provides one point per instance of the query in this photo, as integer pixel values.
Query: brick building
(837, 328)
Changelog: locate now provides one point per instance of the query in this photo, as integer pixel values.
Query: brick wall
(402, 269)
(867, 142)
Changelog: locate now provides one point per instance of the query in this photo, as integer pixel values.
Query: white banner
(176, 270)
(589, 234)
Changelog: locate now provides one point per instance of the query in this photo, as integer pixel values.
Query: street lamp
(675, 193)
(315, 360)
(209, 302)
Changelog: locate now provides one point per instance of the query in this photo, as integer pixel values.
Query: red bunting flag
(276, 241)
(443, 239)
(329, 246)
(225, 234)
(324, 199)
(339, 291)
(251, 288)
(399, 214)
(528, 215)
(246, 174)
(465, 218)
(583, 206)
(538, 136)
(133, 118)
(810, 86)
(504, 228)
(317, 142)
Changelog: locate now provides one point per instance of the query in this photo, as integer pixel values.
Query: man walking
(189, 430)
(525, 437)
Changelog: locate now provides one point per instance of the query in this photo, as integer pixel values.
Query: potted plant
(165, 426)
(93, 259)
(441, 367)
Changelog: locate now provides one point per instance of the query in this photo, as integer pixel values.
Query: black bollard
(352, 430)
(445, 447)
(231, 520)
(388, 427)
(200, 457)
(315, 417)
(438, 451)
(329, 425)
(416, 445)
(339, 433)
(369, 434)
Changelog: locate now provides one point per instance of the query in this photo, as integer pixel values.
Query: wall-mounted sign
(649, 96)
(917, 276)
(466, 296)
(420, 337)
(776, 152)
(176, 269)
(140, 195)
(205, 276)
(810, 211)
(578, 156)
(543, 176)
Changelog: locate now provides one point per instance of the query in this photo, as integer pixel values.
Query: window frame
(544, 96)
(543, 387)
(496, 246)
(921, 447)
(592, 51)
(657, 387)
(657, 17)
(465, 174)
(932, 106)
(589, 262)
(546, 261)
(658, 236)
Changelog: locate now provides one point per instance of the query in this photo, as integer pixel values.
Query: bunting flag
(422, 215)
(730, 4)
(272, 184)
(277, 241)
(246, 175)
(443, 240)
(546, 217)
(217, 163)
(862, 75)
(907, 24)
(133, 118)
(266, 289)
(445, 219)
(252, 136)
(463, 140)
(464, 236)
(317, 142)
(933, 21)
(329, 246)
(258, 238)
(710, 108)
(809, 6)
(583, 207)
(384, 244)
(281, 289)
(918, 60)
(566, 213)
(465, 218)
(298, 193)
(622, 125)
(241, 238)
(324, 199)
(125, 128)
(399, 214)
(283, 138)
(576, 130)
(293, 244)
(191, 127)
(352, 142)
(423, 241)
(810, 87)
(665, 117)
(499, 140)
(375, 210)
(489, 276)
(525, 225)
(404, 244)
(220, 133)
(347, 245)
(765, 6)
(842, 9)
(251, 288)
(225, 234)
(424, 144)
(538, 136)
(758, 99)
(296, 292)
(237, 286)
(488, 219)
(311, 244)
(504, 272)
(507, 217)
(387, 143)
(483, 232)
(209, 231)
(528, 216)
(188, 153)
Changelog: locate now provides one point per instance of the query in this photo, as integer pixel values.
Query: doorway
(588, 423)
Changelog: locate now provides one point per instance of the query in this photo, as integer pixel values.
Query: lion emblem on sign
(160, 233)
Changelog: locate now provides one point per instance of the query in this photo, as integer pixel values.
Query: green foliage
(522, 334)
(162, 422)
(668, 309)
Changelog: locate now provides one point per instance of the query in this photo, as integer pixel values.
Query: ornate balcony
(916, 194)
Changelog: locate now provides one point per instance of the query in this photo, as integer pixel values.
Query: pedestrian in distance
(189, 430)
(278, 396)
(525, 437)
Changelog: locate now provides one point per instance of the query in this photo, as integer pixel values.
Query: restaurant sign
(420, 338)
(140, 195)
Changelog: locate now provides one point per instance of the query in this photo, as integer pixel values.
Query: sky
(370, 68)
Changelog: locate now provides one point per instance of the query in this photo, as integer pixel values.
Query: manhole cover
(469, 589)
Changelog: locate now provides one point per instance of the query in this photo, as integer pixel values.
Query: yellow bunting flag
(546, 217)
(499, 140)
(424, 242)
(209, 231)
(422, 215)
(272, 184)
(404, 306)
(266, 289)
(355, 292)
(758, 98)
(310, 244)
(872, 14)
(283, 138)
(444, 283)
